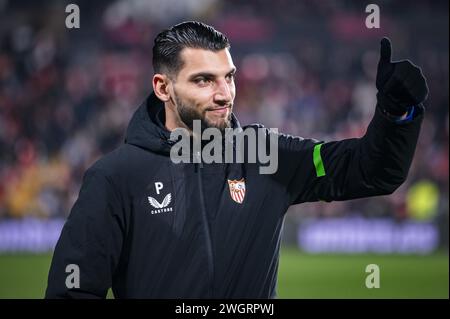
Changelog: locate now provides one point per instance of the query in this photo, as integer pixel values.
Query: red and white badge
(237, 190)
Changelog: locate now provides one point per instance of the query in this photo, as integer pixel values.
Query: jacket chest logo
(163, 206)
(237, 190)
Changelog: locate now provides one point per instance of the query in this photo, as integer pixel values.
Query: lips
(219, 110)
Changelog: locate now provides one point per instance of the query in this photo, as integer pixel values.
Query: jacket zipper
(207, 230)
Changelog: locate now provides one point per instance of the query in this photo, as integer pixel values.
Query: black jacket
(186, 237)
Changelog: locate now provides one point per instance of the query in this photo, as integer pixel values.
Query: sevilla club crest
(237, 190)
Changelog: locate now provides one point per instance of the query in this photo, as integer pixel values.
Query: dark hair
(190, 34)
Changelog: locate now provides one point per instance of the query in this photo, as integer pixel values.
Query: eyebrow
(208, 74)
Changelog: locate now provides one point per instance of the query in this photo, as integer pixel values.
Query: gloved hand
(400, 84)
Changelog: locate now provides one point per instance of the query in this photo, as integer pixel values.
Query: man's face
(204, 88)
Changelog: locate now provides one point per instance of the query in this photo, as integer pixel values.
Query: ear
(161, 84)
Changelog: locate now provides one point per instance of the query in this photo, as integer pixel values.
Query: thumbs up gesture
(400, 84)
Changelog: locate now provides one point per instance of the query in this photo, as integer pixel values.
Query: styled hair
(190, 34)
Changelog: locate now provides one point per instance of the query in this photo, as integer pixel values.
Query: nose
(223, 94)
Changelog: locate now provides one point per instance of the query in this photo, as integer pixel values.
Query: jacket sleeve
(91, 240)
(375, 164)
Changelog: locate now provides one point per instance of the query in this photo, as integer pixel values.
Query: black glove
(400, 84)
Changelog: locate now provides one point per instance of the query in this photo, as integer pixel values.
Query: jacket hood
(146, 128)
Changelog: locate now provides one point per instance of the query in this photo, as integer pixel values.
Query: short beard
(188, 114)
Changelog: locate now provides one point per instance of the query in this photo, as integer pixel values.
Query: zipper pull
(199, 157)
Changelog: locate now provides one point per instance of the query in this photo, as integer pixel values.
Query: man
(151, 228)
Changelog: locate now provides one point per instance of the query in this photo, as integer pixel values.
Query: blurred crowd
(304, 67)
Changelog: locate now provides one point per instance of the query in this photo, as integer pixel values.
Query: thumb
(385, 51)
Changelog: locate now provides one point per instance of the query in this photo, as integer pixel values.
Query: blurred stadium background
(305, 67)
